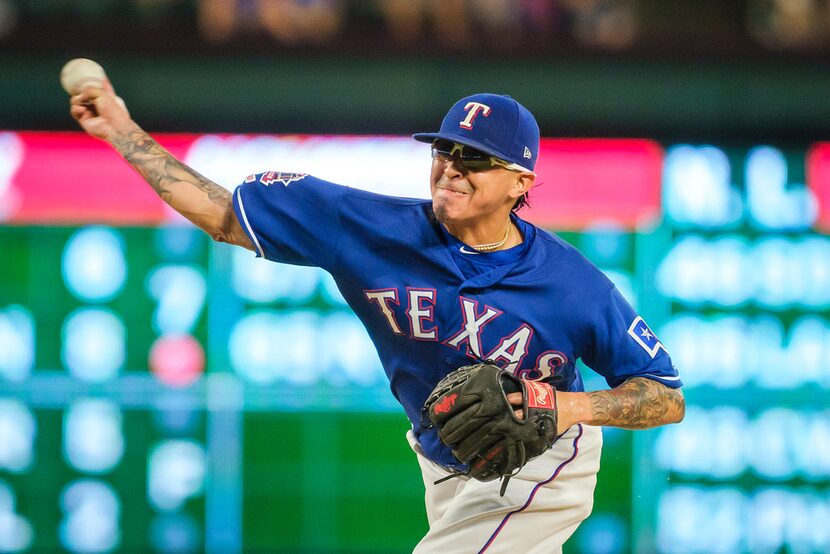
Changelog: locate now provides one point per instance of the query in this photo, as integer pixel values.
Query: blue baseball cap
(493, 123)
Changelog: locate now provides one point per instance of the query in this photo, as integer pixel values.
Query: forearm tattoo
(639, 403)
(162, 171)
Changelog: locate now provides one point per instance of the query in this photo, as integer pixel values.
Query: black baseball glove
(470, 409)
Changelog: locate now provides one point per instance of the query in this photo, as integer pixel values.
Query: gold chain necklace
(493, 245)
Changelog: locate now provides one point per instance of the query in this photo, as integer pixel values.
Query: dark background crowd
(676, 70)
(527, 28)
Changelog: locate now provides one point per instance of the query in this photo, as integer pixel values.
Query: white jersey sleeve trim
(247, 224)
(660, 377)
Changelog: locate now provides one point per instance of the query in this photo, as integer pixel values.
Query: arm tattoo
(166, 175)
(639, 403)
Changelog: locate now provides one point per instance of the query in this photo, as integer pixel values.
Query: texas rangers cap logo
(473, 109)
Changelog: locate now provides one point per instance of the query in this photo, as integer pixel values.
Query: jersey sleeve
(623, 346)
(291, 217)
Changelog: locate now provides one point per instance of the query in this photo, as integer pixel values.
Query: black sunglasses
(471, 158)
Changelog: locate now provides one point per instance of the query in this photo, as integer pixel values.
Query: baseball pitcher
(478, 317)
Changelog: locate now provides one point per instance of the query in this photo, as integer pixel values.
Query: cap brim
(460, 139)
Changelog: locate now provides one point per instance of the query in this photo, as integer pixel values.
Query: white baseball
(81, 72)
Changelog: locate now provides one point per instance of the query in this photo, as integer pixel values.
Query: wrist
(573, 408)
(122, 135)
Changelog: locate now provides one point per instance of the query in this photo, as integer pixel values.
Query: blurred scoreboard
(744, 284)
(162, 392)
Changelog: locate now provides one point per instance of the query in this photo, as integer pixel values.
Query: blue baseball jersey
(431, 304)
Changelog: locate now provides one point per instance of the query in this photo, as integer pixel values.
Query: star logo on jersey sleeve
(639, 331)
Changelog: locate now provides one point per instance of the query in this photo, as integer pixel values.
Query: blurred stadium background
(162, 393)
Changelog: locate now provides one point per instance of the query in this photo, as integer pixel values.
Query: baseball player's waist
(416, 446)
(577, 450)
(583, 441)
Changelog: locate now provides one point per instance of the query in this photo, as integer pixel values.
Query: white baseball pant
(542, 507)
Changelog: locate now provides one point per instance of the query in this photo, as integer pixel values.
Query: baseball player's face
(461, 196)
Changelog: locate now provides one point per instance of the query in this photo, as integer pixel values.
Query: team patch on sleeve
(271, 177)
(640, 332)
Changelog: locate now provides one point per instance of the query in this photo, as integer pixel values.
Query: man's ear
(524, 182)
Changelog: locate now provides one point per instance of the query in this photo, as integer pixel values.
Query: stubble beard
(440, 210)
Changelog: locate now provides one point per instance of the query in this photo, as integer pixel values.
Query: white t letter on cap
(473, 109)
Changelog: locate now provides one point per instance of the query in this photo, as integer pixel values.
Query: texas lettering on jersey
(508, 353)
